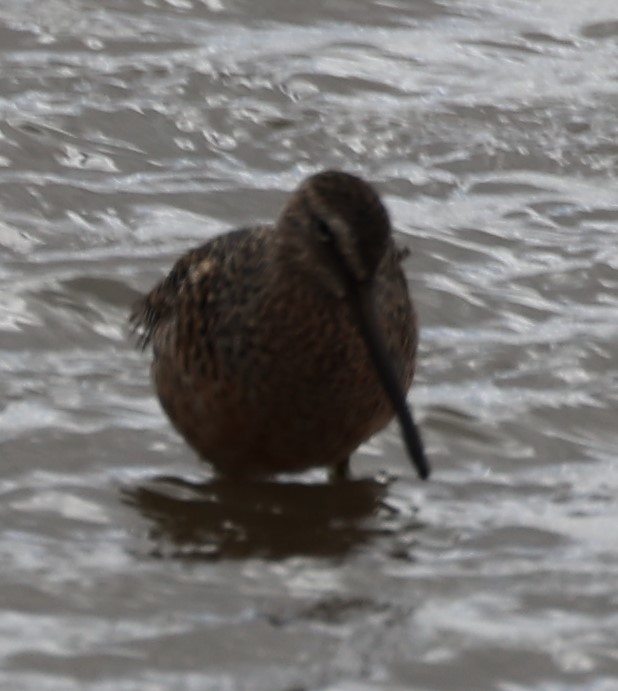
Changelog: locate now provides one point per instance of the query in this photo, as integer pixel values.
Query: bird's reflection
(231, 519)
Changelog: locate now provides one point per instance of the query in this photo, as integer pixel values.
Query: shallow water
(130, 131)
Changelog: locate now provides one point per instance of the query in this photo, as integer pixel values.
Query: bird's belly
(288, 426)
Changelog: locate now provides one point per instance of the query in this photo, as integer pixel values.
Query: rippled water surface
(132, 130)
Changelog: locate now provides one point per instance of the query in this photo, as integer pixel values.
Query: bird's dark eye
(324, 230)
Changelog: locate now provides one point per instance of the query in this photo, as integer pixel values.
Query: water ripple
(131, 131)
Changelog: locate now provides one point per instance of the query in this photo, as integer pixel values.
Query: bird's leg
(340, 471)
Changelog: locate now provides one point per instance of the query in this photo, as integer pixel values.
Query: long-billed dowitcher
(280, 348)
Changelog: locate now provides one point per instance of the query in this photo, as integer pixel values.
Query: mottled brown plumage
(266, 340)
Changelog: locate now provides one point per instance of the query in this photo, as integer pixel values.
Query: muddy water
(130, 131)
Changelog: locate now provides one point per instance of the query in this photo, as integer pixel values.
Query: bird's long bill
(370, 330)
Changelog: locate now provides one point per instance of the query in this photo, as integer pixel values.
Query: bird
(277, 348)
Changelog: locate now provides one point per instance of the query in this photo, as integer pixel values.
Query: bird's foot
(340, 471)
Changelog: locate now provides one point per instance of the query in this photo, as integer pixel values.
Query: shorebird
(278, 348)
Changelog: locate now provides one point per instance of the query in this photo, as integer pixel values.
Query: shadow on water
(231, 519)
